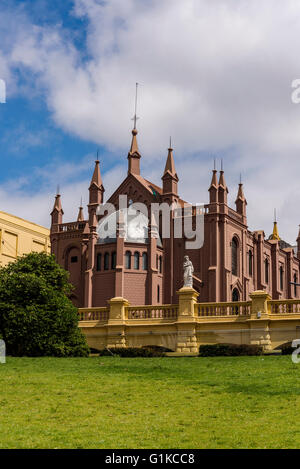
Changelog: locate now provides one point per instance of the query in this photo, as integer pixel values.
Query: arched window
(281, 277)
(145, 261)
(158, 293)
(266, 271)
(235, 295)
(113, 260)
(106, 261)
(128, 260)
(99, 260)
(234, 257)
(136, 261)
(250, 263)
(160, 264)
(295, 286)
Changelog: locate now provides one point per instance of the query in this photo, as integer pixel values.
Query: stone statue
(188, 271)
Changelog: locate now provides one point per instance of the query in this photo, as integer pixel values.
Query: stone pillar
(119, 283)
(116, 323)
(259, 320)
(187, 299)
(259, 305)
(186, 324)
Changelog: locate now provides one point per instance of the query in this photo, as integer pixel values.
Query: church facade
(232, 263)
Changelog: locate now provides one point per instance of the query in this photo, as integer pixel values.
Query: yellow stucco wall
(18, 237)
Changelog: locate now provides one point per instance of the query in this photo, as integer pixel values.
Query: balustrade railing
(238, 308)
(93, 314)
(152, 312)
(72, 226)
(284, 306)
(201, 310)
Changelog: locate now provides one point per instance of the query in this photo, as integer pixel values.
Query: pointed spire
(96, 178)
(170, 165)
(275, 234)
(134, 149)
(222, 177)
(57, 204)
(213, 189)
(96, 188)
(80, 213)
(170, 178)
(214, 179)
(298, 234)
(240, 194)
(57, 213)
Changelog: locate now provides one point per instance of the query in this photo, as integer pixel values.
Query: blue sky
(29, 137)
(215, 77)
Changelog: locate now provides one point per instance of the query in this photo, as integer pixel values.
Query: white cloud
(215, 75)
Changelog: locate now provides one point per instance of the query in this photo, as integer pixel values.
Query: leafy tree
(36, 316)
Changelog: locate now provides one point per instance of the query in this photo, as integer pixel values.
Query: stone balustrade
(183, 327)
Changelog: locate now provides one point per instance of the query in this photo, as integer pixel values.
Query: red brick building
(232, 262)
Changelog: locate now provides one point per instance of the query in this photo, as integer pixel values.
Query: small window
(158, 293)
(113, 260)
(106, 261)
(74, 259)
(281, 277)
(160, 264)
(99, 260)
(250, 263)
(145, 261)
(295, 286)
(128, 260)
(136, 261)
(266, 271)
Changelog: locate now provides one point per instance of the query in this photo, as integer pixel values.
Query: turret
(298, 244)
(56, 214)
(170, 178)
(275, 234)
(96, 191)
(241, 202)
(213, 189)
(134, 155)
(80, 216)
(222, 189)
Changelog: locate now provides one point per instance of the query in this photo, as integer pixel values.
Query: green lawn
(248, 402)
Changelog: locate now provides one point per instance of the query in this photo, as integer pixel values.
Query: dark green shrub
(229, 350)
(287, 349)
(157, 347)
(132, 352)
(36, 316)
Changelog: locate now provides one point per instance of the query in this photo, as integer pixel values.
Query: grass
(110, 402)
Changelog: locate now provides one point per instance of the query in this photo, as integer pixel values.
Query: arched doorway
(235, 295)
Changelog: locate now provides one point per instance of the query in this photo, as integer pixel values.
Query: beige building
(18, 237)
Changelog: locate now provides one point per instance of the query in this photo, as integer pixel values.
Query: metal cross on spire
(135, 118)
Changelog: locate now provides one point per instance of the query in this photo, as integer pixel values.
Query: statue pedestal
(187, 299)
(186, 323)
